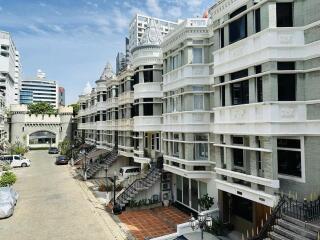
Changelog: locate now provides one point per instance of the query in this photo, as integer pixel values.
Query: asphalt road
(51, 205)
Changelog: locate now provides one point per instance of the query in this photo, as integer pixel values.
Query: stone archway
(42, 138)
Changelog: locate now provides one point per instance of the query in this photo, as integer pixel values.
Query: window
(146, 140)
(197, 55)
(240, 92)
(237, 140)
(176, 145)
(179, 188)
(174, 103)
(174, 62)
(194, 194)
(238, 157)
(286, 65)
(242, 207)
(201, 147)
(198, 102)
(186, 191)
(286, 87)
(222, 37)
(289, 157)
(257, 20)
(152, 141)
(285, 14)
(259, 89)
(238, 28)
(148, 76)
(157, 141)
(222, 92)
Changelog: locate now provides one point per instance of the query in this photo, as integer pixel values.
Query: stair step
(295, 221)
(297, 229)
(288, 234)
(276, 236)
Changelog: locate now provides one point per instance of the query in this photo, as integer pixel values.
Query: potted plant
(206, 202)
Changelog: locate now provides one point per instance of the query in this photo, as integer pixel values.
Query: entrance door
(260, 214)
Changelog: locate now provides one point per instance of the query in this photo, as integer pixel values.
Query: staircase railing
(305, 211)
(267, 227)
(136, 184)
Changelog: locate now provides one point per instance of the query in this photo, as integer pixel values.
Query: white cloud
(154, 8)
(175, 12)
(120, 20)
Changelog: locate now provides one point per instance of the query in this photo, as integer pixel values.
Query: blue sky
(72, 40)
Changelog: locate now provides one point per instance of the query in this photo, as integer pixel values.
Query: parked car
(126, 172)
(16, 160)
(8, 199)
(61, 160)
(53, 150)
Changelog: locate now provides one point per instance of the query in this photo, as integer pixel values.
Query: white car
(8, 199)
(16, 160)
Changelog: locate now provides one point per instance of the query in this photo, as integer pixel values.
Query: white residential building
(39, 89)
(10, 69)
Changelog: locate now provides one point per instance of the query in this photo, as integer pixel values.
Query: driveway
(52, 205)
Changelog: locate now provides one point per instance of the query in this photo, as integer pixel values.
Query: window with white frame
(198, 102)
(289, 157)
(201, 147)
(197, 55)
(152, 141)
(174, 62)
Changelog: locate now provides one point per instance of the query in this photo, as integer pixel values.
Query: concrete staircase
(81, 156)
(288, 228)
(139, 185)
(106, 161)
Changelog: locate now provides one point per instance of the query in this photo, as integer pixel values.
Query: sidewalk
(113, 227)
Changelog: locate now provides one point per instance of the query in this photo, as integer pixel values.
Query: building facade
(230, 104)
(62, 96)
(266, 104)
(140, 22)
(10, 68)
(38, 131)
(41, 90)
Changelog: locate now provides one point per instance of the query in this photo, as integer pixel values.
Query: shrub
(8, 178)
(6, 167)
(205, 202)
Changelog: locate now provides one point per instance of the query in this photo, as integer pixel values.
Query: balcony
(112, 102)
(125, 124)
(186, 75)
(139, 157)
(195, 121)
(189, 173)
(271, 43)
(249, 178)
(126, 97)
(247, 192)
(270, 118)
(101, 106)
(147, 123)
(148, 90)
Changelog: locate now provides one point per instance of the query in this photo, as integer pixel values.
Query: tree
(76, 108)
(41, 108)
(206, 202)
(65, 148)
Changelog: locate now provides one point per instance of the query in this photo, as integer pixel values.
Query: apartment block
(10, 69)
(266, 105)
(226, 106)
(139, 24)
(40, 89)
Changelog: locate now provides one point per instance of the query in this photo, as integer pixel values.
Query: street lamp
(202, 222)
(114, 187)
(72, 160)
(106, 168)
(84, 164)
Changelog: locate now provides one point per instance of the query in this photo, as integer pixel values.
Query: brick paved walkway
(153, 222)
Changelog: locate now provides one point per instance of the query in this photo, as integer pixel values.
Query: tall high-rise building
(10, 69)
(120, 62)
(62, 96)
(39, 89)
(139, 24)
